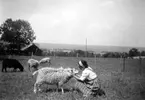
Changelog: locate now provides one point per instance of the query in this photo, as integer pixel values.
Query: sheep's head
(32, 63)
(75, 71)
(71, 71)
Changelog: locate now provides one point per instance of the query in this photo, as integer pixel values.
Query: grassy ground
(117, 85)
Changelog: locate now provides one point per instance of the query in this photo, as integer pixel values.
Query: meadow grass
(128, 85)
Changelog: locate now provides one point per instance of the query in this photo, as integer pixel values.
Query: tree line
(133, 52)
(15, 34)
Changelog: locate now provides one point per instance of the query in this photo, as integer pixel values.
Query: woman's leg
(83, 88)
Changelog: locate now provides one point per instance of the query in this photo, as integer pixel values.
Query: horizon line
(90, 45)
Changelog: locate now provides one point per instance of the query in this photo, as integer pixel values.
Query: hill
(96, 48)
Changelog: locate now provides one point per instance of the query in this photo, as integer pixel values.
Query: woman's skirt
(86, 88)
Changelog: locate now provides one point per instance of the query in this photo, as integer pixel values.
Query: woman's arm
(77, 76)
(82, 77)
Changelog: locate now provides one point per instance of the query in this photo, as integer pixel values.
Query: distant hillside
(95, 48)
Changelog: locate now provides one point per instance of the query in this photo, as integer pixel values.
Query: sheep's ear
(73, 70)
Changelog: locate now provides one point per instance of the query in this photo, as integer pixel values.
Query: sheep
(53, 76)
(32, 63)
(45, 60)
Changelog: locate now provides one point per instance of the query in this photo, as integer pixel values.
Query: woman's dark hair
(85, 64)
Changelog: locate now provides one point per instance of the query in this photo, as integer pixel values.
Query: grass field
(128, 85)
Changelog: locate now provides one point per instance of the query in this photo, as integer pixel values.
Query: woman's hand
(77, 76)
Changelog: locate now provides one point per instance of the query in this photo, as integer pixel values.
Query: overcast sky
(102, 22)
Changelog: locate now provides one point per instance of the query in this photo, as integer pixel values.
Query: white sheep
(32, 63)
(45, 60)
(53, 76)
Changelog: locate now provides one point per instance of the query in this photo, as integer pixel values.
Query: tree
(80, 53)
(3, 47)
(142, 53)
(124, 54)
(17, 32)
(133, 52)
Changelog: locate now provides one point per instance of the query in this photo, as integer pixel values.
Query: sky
(101, 22)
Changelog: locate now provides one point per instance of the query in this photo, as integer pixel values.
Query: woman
(88, 80)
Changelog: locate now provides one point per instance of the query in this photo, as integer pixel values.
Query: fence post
(95, 58)
(31, 54)
(123, 64)
(77, 55)
(54, 53)
(140, 61)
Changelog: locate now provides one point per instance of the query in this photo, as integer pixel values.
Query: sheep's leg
(57, 88)
(49, 63)
(35, 87)
(60, 85)
(62, 90)
(38, 85)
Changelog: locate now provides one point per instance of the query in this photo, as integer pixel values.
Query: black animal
(11, 63)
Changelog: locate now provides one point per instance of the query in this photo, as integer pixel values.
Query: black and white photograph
(72, 49)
